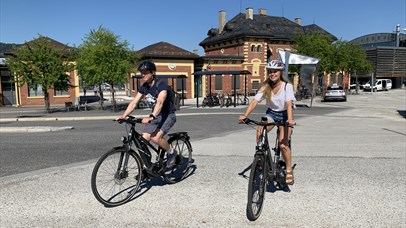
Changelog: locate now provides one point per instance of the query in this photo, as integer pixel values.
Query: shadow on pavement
(402, 113)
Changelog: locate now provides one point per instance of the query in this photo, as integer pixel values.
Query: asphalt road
(350, 173)
(87, 135)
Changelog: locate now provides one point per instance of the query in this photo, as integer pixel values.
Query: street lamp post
(398, 30)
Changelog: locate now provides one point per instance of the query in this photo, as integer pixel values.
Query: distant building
(18, 95)
(388, 60)
(171, 61)
(247, 42)
(380, 39)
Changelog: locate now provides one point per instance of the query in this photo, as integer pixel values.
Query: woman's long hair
(267, 86)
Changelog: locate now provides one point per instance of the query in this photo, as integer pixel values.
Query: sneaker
(171, 159)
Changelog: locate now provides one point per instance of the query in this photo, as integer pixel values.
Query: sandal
(289, 178)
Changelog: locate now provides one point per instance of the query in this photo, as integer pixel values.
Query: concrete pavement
(350, 173)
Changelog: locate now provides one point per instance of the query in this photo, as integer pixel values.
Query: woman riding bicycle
(163, 116)
(279, 97)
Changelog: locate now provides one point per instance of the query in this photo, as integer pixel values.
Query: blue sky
(184, 23)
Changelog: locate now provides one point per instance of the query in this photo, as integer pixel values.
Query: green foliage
(351, 57)
(104, 58)
(39, 63)
(319, 46)
(334, 57)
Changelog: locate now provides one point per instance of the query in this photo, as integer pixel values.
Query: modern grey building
(387, 52)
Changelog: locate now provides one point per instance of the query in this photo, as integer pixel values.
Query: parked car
(380, 84)
(334, 92)
(105, 86)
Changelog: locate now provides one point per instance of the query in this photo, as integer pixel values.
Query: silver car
(334, 92)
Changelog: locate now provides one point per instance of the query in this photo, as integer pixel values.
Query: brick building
(171, 61)
(19, 95)
(247, 42)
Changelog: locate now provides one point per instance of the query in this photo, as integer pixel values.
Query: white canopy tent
(308, 64)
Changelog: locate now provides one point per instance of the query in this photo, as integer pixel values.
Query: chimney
(249, 14)
(262, 12)
(298, 21)
(222, 20)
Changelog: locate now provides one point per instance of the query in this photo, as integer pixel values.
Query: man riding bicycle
(162, 118)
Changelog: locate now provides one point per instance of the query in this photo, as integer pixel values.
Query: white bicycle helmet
(276, 65)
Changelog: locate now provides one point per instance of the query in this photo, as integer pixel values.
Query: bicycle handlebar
(130, 120)
(258, 123)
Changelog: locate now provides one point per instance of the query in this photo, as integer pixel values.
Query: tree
(351, 58)
(319, 46)
(39, 64)
(103, 58)
(339, 56)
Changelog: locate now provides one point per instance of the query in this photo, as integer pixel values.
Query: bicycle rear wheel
(116, 177)
(281, 175)
(183, 162)
(256, 188)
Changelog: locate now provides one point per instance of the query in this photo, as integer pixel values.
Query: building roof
(271, 27)
(7, 49)
(166, 51)
(380, 39)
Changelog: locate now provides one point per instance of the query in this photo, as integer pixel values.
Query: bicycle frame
(143, 147)
(263, 147)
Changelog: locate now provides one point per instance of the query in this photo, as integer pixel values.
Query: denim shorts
(162, 122)
(278, 117)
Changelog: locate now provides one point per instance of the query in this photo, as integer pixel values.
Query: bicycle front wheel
(116, 177)
(183, 163)
(256, 188)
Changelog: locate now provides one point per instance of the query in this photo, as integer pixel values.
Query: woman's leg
(286, 152)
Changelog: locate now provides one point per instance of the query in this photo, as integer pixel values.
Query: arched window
(259, 48)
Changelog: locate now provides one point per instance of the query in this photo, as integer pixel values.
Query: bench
(69, 105)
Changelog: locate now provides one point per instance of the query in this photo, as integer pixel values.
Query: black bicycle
(118, 173)
(265, 169)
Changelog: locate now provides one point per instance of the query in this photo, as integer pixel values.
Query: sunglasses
(145, 72)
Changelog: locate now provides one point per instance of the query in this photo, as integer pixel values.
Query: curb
(33, 129)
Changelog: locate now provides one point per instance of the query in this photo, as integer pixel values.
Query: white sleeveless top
(278, 100)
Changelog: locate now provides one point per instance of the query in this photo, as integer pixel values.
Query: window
(35, 91)
(179, 85)
(60, 92)
(255, 48)
(255, 87)
(61, 89)
(218, 82)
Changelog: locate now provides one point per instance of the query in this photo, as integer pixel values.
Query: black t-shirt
(151, 95)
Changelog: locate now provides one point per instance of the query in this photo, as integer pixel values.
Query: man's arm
(159, 102)
(131, 106)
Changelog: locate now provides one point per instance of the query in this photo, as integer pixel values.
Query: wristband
(152, 115)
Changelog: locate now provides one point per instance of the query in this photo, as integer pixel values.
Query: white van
(380, 84)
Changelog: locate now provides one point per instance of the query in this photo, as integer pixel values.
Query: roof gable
(165, 50)
(66, 50)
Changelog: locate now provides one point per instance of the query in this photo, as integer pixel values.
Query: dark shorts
(278, 117)
(162, 122)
